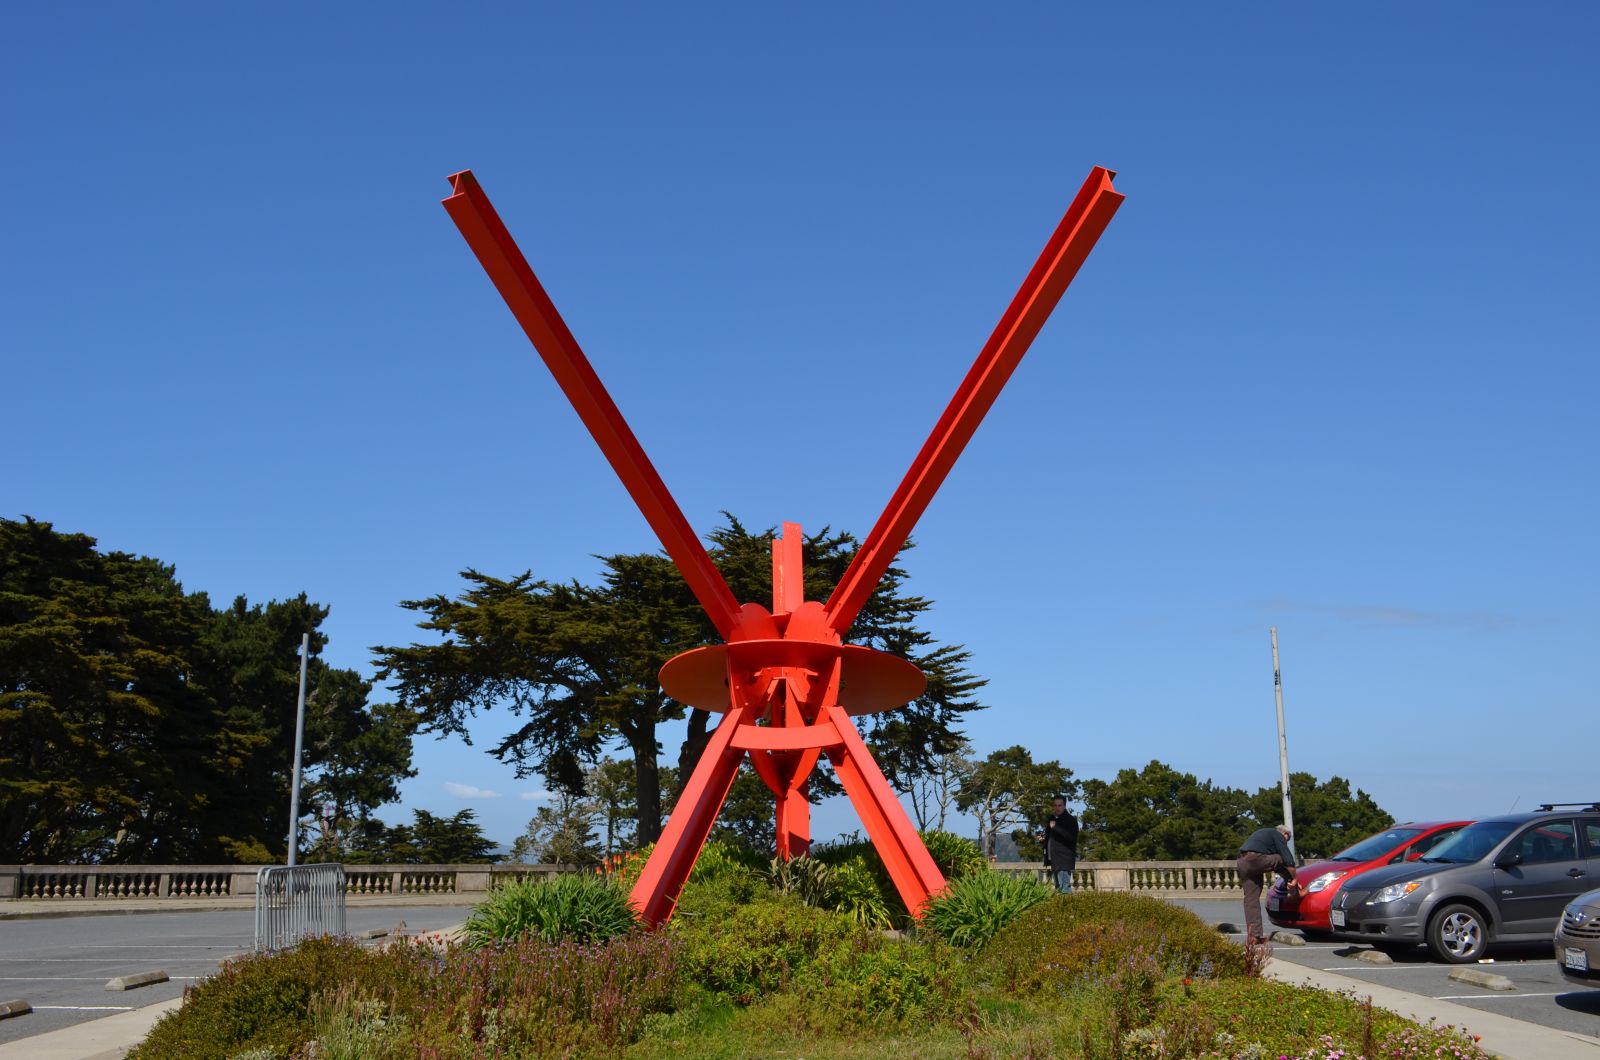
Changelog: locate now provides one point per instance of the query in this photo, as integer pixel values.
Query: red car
(1320, 880)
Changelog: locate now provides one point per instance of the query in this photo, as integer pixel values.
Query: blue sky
(1332, 367)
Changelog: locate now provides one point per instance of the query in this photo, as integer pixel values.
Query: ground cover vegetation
(749, 967)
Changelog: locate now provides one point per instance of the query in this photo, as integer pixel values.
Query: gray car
(1578, 940)
(1501, 879)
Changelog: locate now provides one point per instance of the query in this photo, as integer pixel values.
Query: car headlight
(1322, 881)
(1394, 892)
(1576, 914)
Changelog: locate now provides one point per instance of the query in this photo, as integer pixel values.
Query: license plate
(1336, 917)
(1576, 959)
(1272, 904)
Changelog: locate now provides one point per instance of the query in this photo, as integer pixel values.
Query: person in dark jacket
(1265, 852)
(1061, 845)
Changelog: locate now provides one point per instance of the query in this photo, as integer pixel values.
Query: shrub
(580, 906)
(804, 878)
(1071, 937)
(882, 983)
(956, 856)
(536, 998)
(260, 1002)
(719, 858)
(757, 947)
(859, 893)
(974, 907)
(869, 894)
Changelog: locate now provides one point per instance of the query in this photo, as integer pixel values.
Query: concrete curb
(1501, 1035)
(137, 979)
(1487, 980)
(18, 1007)
(1359, 953)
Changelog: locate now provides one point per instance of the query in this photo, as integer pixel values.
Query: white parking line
(1370, 968)
(76, 978)
(122, 945)
(1492, 997)
(83, 1008)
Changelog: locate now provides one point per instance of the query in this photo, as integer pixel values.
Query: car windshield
(1473, 842)
(1377, 846)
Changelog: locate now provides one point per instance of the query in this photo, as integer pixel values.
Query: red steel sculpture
(786, 682)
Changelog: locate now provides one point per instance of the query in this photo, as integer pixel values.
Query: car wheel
(1458, 934)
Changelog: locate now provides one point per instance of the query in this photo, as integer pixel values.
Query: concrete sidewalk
(1501, 1035)
(107, 1038)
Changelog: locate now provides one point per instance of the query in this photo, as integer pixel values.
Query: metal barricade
(298, 903)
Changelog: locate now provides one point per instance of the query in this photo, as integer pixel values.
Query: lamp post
(299, 741)
(1283, 741)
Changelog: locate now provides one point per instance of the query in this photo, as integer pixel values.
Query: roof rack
(1593, 804)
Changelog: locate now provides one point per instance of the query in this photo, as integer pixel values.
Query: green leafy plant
(858, 893)
(580, 906)
(805, 878)
(976, 906)
(756, 948)
(719, 858)
(956, 856)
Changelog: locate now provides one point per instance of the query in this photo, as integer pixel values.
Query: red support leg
(910, 865)
(656, 893)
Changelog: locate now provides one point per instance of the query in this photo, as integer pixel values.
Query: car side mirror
(1413, 855)
(1507, 860)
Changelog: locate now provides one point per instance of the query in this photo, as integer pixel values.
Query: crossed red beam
(786, 667)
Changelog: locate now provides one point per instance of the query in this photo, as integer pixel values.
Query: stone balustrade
(1160, 879)
(1163, 879)
(68, 882)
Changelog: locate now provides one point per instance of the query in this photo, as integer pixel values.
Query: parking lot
(61, 966)
(1541, 996)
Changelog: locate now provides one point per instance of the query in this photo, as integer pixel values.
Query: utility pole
(299, 741)
(1283, 740)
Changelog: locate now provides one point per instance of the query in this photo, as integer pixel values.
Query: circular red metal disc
(872, 681)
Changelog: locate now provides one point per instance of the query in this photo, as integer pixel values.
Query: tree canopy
(138, 723)
(576, 664)
(428, 840)
(1327, 817)
(1008, 788)
(1159, 814)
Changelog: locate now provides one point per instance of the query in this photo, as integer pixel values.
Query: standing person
(1061, 844)
(1265, 852)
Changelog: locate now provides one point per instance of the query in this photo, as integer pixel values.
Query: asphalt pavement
(1541, 995)
(61, 966)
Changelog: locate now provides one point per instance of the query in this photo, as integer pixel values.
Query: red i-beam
(785, 679)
